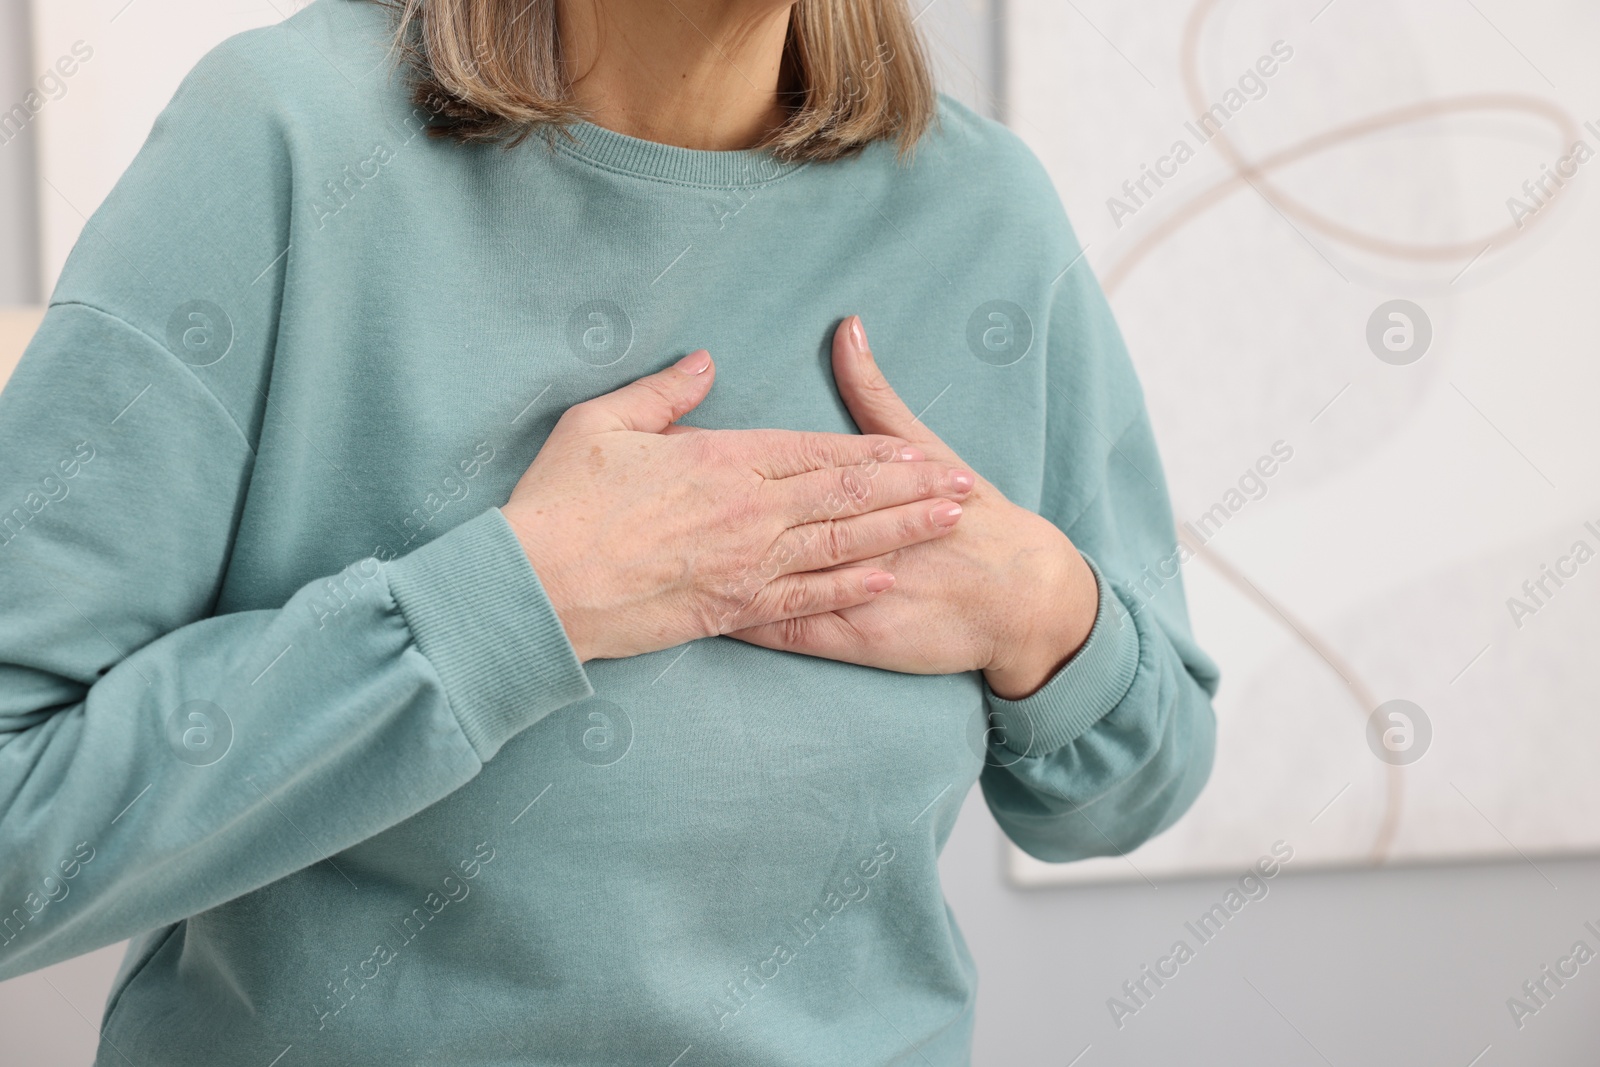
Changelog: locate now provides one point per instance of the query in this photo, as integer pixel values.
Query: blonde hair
(854, 72)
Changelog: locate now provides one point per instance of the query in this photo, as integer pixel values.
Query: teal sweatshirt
(282, 701)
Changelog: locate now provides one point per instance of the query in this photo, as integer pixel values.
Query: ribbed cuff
(478, 612)
(1082, 692)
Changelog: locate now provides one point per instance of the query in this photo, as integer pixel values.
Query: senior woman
(408, 646)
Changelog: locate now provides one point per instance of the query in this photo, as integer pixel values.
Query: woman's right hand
(646, 535)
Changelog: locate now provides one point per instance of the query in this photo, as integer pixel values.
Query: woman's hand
(1006, 593)
(646, 535)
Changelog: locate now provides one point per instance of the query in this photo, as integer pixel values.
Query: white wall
(19, 248)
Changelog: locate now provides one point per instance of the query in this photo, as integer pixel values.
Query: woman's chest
(717, 753)
(387, 436)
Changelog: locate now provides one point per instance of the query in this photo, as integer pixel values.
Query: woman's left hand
(1005, 593)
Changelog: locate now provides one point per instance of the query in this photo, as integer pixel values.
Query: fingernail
(878, 581)
(911, 455)
(962, 480)
(858, 333)
(694, 362)
(946, 514)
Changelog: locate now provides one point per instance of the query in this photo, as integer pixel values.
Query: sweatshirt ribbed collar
(668, 163)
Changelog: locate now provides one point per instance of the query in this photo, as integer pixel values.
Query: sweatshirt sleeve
(1117, 745)
(156, 758)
